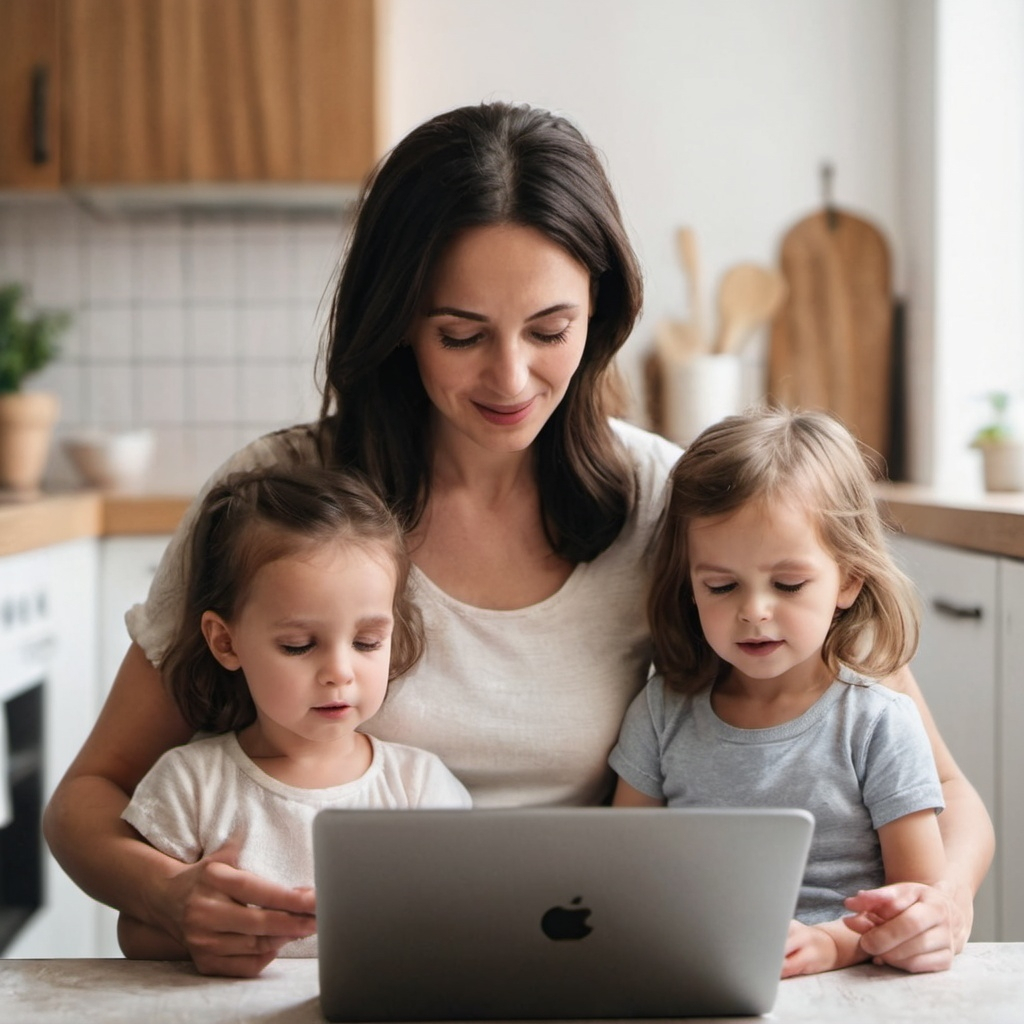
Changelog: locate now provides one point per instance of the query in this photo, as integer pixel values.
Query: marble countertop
(985, 986)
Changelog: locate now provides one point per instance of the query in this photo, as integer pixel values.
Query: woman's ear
(849, 592)
(218, 638)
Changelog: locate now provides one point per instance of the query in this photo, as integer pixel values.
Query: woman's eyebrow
(465, 314)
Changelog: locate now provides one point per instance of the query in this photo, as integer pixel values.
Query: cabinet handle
(40, 103)
(957, 611)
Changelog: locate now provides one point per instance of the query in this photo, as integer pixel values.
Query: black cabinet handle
(40, 103)
(957, 611)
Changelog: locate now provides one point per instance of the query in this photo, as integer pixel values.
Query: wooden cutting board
(831, 342)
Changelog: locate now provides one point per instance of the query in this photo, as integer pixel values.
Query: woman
(488, 284)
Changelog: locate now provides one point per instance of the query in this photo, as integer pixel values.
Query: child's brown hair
(806, 459)
(245, 522)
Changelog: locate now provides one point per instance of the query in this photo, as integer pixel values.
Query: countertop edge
(55, 518)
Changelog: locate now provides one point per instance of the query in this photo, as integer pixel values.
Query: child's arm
(911, 852)
(627, 796)
(141, 941)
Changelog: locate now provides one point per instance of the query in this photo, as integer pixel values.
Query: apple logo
(566, 922)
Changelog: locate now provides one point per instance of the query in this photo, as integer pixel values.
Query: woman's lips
(505, 415)
(759, 648)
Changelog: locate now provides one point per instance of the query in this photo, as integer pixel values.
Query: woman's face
(502, 330)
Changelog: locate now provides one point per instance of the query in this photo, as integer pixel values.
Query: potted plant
(27, 418)
(1001, 449)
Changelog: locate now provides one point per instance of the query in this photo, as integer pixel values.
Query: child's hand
(809, 950)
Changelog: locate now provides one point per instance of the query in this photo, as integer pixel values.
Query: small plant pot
(27, 419)
(1003, 465)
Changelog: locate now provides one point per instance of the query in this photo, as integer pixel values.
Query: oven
(27, 647)
(48, 601)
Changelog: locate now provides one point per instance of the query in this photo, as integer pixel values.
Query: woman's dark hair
(245, 522)
(482, 165)
(806, 460)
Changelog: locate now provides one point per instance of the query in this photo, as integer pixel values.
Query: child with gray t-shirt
(774, 603)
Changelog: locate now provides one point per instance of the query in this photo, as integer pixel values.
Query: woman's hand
(910, 925)
(232, 922)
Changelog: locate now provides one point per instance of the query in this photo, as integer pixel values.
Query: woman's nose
(509, 368)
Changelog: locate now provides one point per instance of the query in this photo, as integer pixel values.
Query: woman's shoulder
(652, 458)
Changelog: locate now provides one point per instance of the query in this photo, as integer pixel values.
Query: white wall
(713, 114)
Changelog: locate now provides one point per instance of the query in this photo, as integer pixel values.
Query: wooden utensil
(831, 342)
(750, 295)
(686, 246)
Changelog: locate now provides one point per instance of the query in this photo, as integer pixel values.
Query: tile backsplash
(202, 326)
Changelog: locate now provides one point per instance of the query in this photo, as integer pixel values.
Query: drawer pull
(956, 611)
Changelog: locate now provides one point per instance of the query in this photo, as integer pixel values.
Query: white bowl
(114, 460)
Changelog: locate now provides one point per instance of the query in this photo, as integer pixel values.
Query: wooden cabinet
(29, 84)
(193, 91)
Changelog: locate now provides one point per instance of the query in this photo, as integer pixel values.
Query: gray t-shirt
(857, 759)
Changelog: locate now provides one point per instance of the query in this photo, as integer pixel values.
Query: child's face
(766, 590)
(314, 641)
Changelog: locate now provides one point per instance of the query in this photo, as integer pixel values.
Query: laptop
(554, 913)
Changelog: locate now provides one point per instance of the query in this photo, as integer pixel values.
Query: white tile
(302, 385)
(108, 272)
(211, 269)
(66, 381)
(266, 395)
(211, 332)
(158, 270)
(109, 397)
(161, 334)
(71, 343)
(266, 266)
(267, 332)
(211, 394)
(213, 447)
(56, 275)
(108, 332)
(160, 399)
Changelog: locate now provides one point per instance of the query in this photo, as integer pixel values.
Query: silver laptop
(568, 913)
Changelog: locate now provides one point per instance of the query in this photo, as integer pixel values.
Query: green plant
(999, 430)
(27, 344)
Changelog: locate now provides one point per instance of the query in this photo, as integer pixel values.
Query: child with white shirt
(295, 620)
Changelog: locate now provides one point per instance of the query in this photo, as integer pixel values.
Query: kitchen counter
(38, 521)
(992, 523)
(985, 986)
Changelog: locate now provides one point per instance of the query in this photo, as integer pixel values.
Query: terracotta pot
(27, 419)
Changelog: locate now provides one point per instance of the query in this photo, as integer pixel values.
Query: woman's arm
(203, 906)
(910, 925)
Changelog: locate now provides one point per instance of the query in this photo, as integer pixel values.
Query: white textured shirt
(524, 705)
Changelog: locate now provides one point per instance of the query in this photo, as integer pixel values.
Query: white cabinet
(127, 565)
(1010, 741)
(972, 639)
(68, 575)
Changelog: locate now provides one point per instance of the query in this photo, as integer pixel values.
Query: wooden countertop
(46, 519)
(984, 986)
(992, 523)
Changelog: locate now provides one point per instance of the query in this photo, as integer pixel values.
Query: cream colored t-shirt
(525, 705)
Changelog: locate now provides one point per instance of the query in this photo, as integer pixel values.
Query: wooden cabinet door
(281, 90)
(29, 94)
(218, 90)
(124, 91)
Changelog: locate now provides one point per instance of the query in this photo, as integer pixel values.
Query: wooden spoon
(749, 296)
(686, 246)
